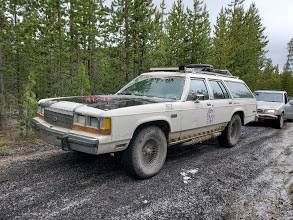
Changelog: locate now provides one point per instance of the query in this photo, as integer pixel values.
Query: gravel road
(253, 180)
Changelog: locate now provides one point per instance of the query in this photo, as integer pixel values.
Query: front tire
(230, 136)
(146, 153)
(280, 122)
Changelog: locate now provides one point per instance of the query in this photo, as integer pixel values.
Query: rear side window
(239, 90)
(219, 90)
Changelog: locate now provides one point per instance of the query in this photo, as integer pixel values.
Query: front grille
(260, 111)
(58, 119)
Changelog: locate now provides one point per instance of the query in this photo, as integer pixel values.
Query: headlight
(92, 124)
(40, 111)
(79, 119)
(270, 111)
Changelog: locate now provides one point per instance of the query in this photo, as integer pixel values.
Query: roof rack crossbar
(163, 69)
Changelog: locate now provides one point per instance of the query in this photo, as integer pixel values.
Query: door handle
(230, 103)
(209, 104)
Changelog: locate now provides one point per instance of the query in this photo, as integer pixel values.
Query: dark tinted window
(198, 86)
(239, 90)
(219, 90)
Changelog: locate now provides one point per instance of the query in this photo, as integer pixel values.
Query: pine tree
(81, 83)
(254, 46)
(29, 104)
(199, 41)
(287, 80)
(220, 50)
(141, 27)
(159, 40)
(177, 35)
(269, 77)
(2, 40)
(239, 43)
(120, 14)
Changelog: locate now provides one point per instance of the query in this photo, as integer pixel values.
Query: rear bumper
(65, 139)
(267, 117)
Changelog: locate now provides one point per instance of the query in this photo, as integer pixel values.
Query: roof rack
(201, 67)
(165, 69)
(196, 68)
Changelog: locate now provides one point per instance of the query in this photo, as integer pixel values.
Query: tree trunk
(126, 35)
(2, 96)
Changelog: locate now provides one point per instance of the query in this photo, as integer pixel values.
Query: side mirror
(291, 102)
(196, 97)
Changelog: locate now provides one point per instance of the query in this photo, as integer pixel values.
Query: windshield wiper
(124, 93)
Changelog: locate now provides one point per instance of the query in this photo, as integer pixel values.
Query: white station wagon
(164, 107)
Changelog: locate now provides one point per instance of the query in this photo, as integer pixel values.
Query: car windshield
(166, 87)
(269, 97)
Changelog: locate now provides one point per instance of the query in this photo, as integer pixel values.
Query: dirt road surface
(253, 180)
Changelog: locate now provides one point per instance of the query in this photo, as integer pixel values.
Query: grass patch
(4, 149)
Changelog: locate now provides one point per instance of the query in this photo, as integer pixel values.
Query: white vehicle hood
(269, 105)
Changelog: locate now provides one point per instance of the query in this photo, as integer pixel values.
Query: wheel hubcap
(150, 152)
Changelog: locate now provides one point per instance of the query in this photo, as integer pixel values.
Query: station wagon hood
(269, 105)
(105, 103)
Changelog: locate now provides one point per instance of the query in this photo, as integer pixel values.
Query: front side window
(165, 87)
(239, 90)
(219, 90)
(198, 86)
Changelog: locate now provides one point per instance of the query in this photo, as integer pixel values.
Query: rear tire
(230, 136)
(146, 153)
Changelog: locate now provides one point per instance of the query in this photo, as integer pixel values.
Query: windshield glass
(269, 97)
(167, 87)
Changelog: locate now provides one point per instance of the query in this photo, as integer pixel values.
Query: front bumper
(267, 117)
(64, 138)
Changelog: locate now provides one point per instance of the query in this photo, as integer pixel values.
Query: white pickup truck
(160, 108)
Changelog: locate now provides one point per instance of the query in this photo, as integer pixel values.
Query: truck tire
(280, 121)
(230, 136)
(146, 153)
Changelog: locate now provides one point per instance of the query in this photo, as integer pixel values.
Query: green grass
(4, 149)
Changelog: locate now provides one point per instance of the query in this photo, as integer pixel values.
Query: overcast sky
(277, 17)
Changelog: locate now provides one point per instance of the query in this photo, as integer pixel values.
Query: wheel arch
(161, 123)
(241, 114)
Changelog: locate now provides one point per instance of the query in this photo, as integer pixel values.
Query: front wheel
(146, 153)
(230, 136)
(280, 122)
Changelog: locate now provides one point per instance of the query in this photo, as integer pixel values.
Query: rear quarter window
(239, 90)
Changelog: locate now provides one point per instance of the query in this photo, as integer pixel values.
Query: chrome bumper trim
(266, 116)
(66, 140)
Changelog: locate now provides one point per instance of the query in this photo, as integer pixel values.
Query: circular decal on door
(211, 116)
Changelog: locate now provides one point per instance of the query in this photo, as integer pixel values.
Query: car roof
(271, 91)
(188, 74)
